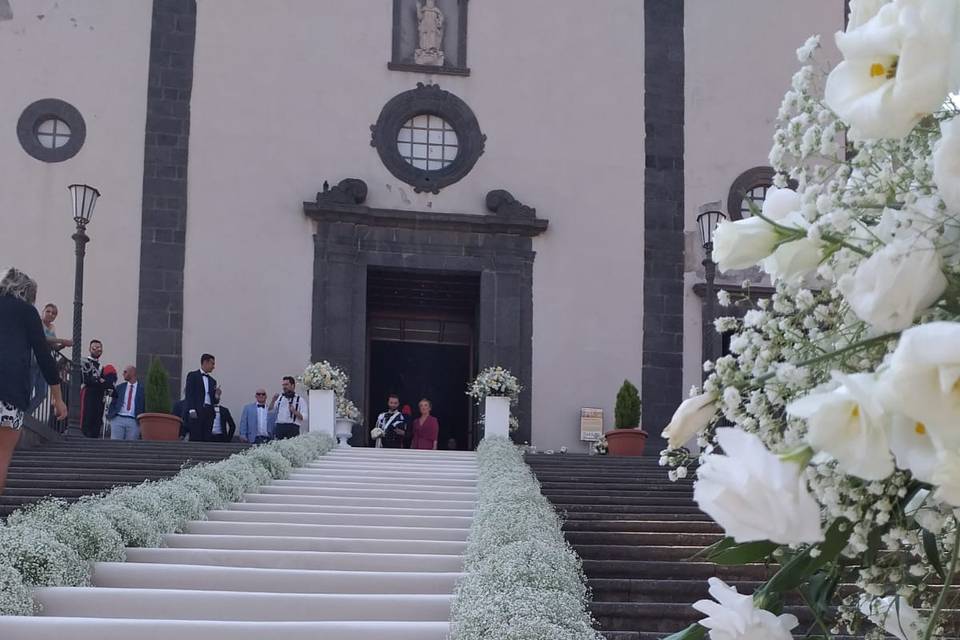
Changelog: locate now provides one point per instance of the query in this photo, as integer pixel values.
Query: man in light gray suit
(257, 422)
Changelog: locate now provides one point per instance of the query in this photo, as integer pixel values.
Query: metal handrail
(43, 412)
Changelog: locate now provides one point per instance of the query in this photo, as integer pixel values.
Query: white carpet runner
(361, 544)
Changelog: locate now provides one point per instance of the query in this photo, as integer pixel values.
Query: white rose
(793, 261)
(754, 495)
(897, 68)
(691, 416)
(894, 615)
(946, 163)
(734, 617)
(850, 424)
(744, 243)
(894, 285)
(922, 383)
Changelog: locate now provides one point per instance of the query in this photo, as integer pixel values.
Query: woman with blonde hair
(425, 428)
(21, 334)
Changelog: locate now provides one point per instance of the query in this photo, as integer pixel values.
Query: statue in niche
(430, 30)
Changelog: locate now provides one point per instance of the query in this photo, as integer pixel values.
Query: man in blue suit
(257, 422)
(127, 404)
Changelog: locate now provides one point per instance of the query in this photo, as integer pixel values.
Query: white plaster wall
(284, 93)
(94, 55)
(740, 58)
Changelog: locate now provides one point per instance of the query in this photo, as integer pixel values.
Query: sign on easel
(591, 424)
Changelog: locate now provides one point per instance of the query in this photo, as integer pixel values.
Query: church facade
(411, 189)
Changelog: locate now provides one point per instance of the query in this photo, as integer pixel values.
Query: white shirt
(284, 415)
(217, 425)
(206, 389)
(128, 405)
(262, 421)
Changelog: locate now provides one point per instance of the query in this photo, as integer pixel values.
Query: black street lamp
(708, 221)
(84, 199)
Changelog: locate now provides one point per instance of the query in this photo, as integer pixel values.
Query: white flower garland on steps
(522, 580)
(52, 543)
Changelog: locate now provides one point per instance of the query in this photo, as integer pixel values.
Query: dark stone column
(164, 213)
(663, 213)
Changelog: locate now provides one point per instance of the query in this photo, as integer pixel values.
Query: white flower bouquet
(347, 410)
(326, 377)
(495, 381)
(843, 388)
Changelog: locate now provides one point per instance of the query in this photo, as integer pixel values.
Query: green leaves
(729, 552)
(803, 565)
(933, 552)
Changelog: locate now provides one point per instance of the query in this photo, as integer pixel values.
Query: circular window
(53, 133)
(428, 138)
(51, 130)
(427, 142)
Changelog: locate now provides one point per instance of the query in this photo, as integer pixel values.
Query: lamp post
(708, 221)
(84, 198)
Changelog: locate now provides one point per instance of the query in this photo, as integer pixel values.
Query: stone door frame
(351, 238)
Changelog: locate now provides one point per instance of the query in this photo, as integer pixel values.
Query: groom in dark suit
(199, 397)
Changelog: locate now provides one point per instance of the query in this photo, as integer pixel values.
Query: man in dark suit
(128, 403)
(199, 397)
(223, 425)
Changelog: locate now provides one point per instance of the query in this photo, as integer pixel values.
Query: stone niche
(414, 38)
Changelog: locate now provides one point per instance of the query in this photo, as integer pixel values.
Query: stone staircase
(636, 532)
(75, 467)
(362, 543)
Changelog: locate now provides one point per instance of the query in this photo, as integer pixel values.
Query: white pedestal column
(496, 416)
(323, 412)
(344, 430)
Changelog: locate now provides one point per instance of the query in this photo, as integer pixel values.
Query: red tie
(129, 395)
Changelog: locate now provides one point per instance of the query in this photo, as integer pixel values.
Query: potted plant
(158, 423)
(627, 438)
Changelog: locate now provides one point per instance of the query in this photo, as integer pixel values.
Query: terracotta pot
(159, 426)
(626, 442)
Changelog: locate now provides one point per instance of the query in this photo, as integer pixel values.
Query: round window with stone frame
(51, 130)
(428, 138)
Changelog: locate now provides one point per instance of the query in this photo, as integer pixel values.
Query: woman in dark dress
(21, 335)
(425, 428)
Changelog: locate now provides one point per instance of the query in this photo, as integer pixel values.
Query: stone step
(387, 520)
(136, 575)
(358, 501)
(370, 558)
(320, 544)
(329, 531)
(158, 604)
(346, 508)
(605, 551)
(51, 628)
(652, 569)
(643, 537)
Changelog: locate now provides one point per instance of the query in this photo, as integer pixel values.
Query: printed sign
(591, 424)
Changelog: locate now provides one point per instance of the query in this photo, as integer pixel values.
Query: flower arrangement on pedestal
(323, 376)
(843, 389)
(495, 382)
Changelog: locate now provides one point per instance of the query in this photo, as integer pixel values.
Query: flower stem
(816, 616)
(856, 346)
(947, 583)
